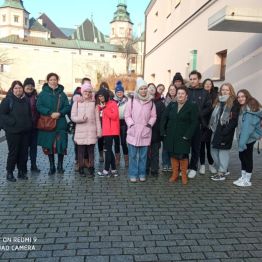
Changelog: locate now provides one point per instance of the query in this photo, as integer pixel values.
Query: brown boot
(86, 163)
(76, 167)
(175, 167)
(126, 160)
(184, 166)
(117, 157)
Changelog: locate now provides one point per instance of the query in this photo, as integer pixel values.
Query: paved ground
(68, 218)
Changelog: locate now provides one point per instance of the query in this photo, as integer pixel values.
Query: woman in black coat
(16, 118)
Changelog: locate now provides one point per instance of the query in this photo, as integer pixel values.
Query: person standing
(16, 117)
(178, 80)
(206, 133)
(178, 125)
(88, 128)
(249, 130)
(140, 116)
(53, 102)
(31, 95)
(199, 96)
(121, 101)
(223, 122)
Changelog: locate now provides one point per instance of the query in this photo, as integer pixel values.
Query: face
(194, 81)
(29, 89)
(86, 82)
(101, 99)
(151, 90)
(161, 90)
(181, 96)
(241, 98)
(120, 94)
(225, 91)
(52, 82)
(18, 90)
(178, 83)
(143, 91)
(208, 86)
(172, 91)
(87, 94)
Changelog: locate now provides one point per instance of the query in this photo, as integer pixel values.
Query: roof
(65, 43)
(121, 14)
(50, 25)
(34, 25)
(18, 4)
(87, 31)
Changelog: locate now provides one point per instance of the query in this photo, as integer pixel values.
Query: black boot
(91, 171)
(52, 164)
(60, 169)
(22, 175)
(10, 177)
(82, 171)
(35, 169)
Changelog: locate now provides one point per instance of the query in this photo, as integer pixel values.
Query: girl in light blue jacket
(249, 130)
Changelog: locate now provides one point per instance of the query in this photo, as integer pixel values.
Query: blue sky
(71, 13)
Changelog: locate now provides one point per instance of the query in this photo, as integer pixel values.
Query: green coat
(46, 105)
(177, 128)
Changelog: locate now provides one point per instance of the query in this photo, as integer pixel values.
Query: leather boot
(117, 157)
(22, 175)
(175, 166)
(60, 169)
(52, 169)
(10, 177)
(82, 171)
(183, 167)
(126, 160)
(91, 171)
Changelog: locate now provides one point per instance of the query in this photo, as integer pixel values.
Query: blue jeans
(166, 160)
(137, 161)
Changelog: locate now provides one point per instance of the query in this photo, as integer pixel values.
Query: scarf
(143, 99)
(120, 101)
(217, 115)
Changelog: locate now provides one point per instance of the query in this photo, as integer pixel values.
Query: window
(220, 65)
(26, 21)
(153, 77)
(156, 14)
(3, 18)
(102, 55)
(16, 18)
(193, 59)
(90, 54)
(122, 31)
(133, 60)
(114, 56)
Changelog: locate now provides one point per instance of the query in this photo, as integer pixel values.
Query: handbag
(47, 123)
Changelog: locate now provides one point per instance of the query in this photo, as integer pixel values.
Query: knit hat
(29, 81)
(86, 87)
(103, 92)
(119, 87)
(179, 77)
(140, 82)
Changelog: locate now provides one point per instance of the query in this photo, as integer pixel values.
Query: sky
(68, 13)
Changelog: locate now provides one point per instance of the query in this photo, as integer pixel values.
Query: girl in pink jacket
(88, 127)
(140, 116)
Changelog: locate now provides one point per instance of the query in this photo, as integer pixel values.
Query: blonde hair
(232, 95)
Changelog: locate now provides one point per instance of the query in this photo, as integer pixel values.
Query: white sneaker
(192, 173)
(244, 183)
(239, 181)
(202, 169)
(212, 169)
(227, 173)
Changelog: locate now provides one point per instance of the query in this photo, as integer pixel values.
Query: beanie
(29, 81)
(119, 87)
(179, 77)
(140, 82)
(86, 87)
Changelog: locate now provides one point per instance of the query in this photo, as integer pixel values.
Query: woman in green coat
(178, 125)
(52, 101)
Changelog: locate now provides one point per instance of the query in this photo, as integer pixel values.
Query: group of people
(188, 122)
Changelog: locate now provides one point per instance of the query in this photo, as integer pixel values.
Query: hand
(55, 115)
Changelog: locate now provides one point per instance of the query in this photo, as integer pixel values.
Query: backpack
(11, 104)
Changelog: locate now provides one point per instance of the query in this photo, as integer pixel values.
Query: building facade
(32, 47)
(182, 35)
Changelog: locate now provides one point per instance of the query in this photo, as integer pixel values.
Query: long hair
(14, 83)
(232, 96)
(251, 102)
(168, 94)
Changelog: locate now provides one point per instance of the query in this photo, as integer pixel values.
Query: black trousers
(206, 146)
(17, 151)
(246, 158)
(153, 157)
(33, 146)
(195, 149)
(109, 155)
(100, 144)
(122, 138)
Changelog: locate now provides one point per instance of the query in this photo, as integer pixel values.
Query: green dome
(121, 14)
(18, 4)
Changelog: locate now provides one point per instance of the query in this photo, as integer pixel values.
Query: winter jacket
(46, 105)
(224, 134)
(202, 99)
(160, 108)
(110, 119)
(140, 117)
(251, 129)
(177, 128)
(88, 130)
(32, 98)
(15, 114)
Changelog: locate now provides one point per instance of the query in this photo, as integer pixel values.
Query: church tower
(121, 25)
(14, 19)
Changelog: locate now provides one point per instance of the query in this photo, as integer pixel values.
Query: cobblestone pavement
(69, 218)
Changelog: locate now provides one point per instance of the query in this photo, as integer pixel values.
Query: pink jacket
(88, 130)
(137, 117)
